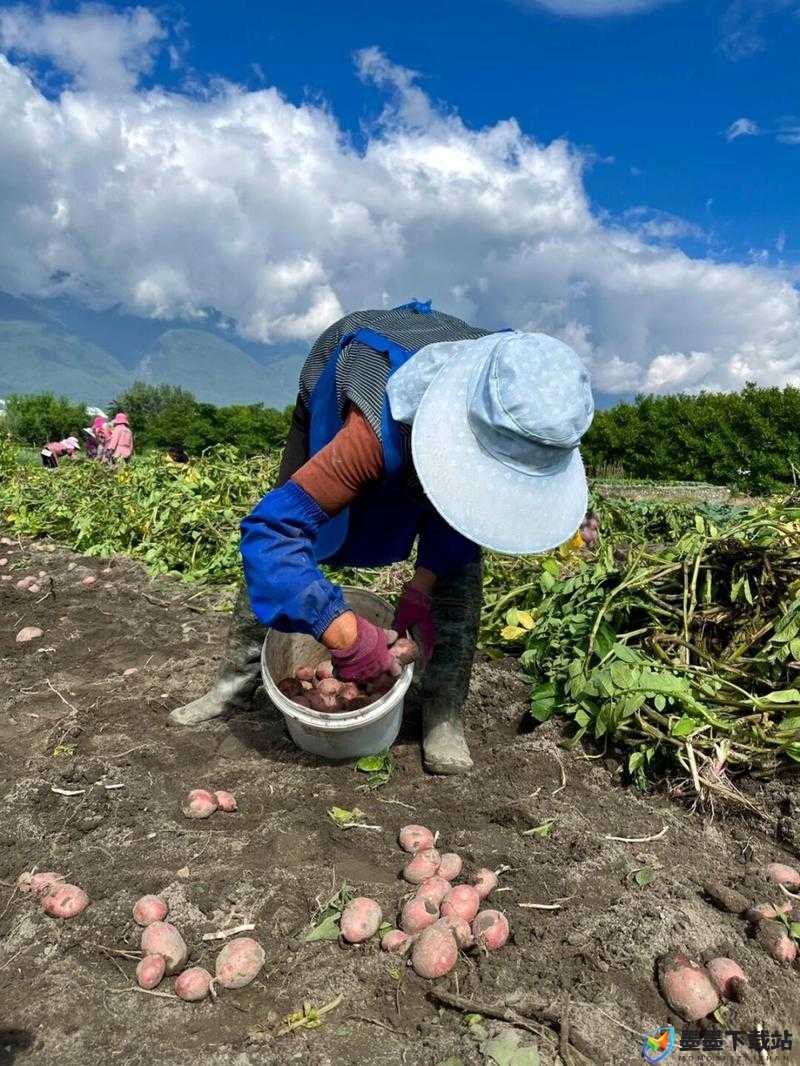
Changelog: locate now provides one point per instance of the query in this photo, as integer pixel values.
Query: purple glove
(367, 657)
(414, 617)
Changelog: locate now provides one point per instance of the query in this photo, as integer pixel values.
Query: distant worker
(178, 453)
(51, 452)
(119, 446)
(411, 425)
(96, 436)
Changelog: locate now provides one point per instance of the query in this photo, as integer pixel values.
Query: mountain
(60, 346)
(37, 356)
(216, 370)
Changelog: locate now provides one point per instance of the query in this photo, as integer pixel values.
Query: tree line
(748, 440)
(161, 416)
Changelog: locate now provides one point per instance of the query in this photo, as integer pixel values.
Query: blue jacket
(288, 534)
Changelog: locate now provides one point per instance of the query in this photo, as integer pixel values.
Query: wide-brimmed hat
(495, 440)
(121, 419)
(71, 444)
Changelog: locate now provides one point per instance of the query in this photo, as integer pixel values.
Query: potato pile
(320, 690)
(694, 990)
(200, 803)
(166, 953)
(440, 919)
(58, 899)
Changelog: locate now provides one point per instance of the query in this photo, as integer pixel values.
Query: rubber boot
(240, 673)
(456, 612)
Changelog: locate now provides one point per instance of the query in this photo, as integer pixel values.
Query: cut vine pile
(686, 651)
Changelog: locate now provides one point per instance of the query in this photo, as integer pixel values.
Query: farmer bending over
(410, 425)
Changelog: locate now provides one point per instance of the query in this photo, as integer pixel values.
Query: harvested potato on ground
(422, 867)
(239, 962)
(405, 651)
(462, 901)
(686, 987)
(728, 978)
(781, 874)
(450, 866)
(162, 938)
(29, 633)
(774, 937)
(360, 920)
(415, 838)
(485, 881)
(727, 899)
(39, 883)
(193, 984)
(149, 909)
(65, 901)
(226, 801)
(435, 952)
(200, 803)
(396, 941)
(417, 915)
(324, 670)
(490, 930)
(760, 912)
(460, 929)
(150, 971)
(434, 890)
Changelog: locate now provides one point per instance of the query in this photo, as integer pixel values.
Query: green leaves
(644, 877)
(378, 768)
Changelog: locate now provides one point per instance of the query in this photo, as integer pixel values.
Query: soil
(85, 707)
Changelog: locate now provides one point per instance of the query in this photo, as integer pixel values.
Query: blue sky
(650, 94)
(620, 173)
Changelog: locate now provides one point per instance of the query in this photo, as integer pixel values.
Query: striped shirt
(362, 372)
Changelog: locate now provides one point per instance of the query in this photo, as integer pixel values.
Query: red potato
(290, 687)
(360, 920)
(435, 952)
(240, 962)
(464, 937)
(149, 909)
(405, 651)
(760, 912)
(193, 984)
(318, 701)
(462, 901)
(65, 901)
(303, 701)
(381, 685)
(781, 874)
(324, 670)
(434, 890)
(329, 686)
(200, 803)
(40, 883)
(775, 939)
(423, 866)
(396, 942)
(686, 987)
(226, 801)
(150, 971)
(87, 582)
(728, 978)
(485, 881)
(490, 930)
(415, 838)
(450, 866)
(304, 673)
(28, 633)
(417, 915)
(161, 938)
(25, 582)
(34, 588)
(349, 691)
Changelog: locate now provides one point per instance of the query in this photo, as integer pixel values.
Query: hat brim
(491, 504)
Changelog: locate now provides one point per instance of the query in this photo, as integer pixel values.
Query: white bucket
(347, 734)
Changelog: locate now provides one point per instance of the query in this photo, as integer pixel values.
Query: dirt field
(73, 716)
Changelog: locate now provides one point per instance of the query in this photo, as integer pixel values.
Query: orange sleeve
(337, 473)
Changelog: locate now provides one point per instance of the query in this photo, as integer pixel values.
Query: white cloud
(743, 24)
(96, 46)
(596, 8)
(742, 127)
(170, 203)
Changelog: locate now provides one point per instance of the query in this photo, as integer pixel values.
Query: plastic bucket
(344, 735)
